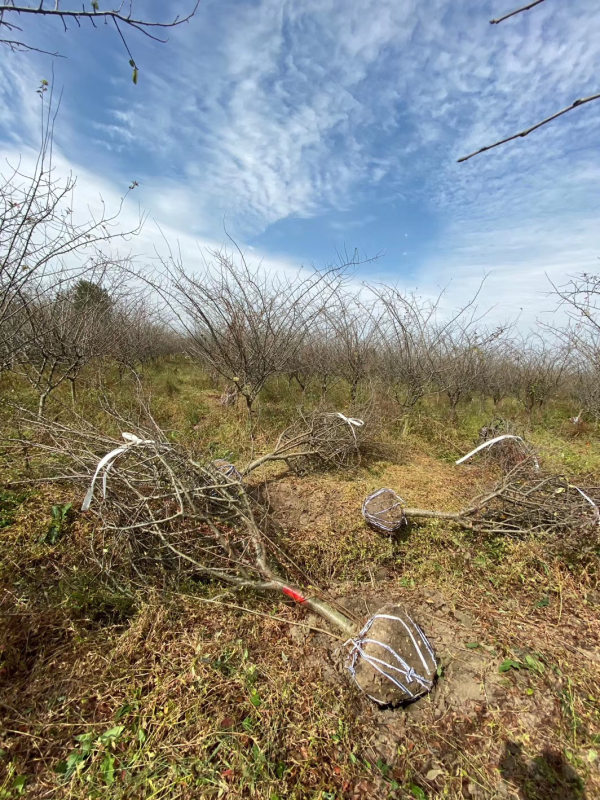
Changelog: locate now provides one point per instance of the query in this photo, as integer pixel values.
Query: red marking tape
(293, 594)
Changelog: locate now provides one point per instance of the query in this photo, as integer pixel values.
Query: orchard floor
(208, 693)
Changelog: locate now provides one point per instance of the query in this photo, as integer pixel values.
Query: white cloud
(261, 111)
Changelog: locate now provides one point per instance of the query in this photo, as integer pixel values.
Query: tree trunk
(42, 403)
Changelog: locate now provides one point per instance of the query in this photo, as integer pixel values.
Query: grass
(147, 692)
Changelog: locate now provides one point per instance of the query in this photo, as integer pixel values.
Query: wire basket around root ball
(391, 659)
(384, 511)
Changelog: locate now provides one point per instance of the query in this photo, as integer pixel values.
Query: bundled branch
(508, 449)
(320, 439)
(526, 501)
(161, 509)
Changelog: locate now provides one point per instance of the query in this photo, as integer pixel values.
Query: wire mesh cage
(391, 659)
(384, 511)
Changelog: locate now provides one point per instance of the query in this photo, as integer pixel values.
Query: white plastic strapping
(106, 462)
(494, 441)
(590, 501)
(398, 671)
(227, 469)
(353, 422)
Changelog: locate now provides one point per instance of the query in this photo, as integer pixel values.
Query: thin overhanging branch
(515, 12)
(575, 104)
(139, 24)
(10, 11)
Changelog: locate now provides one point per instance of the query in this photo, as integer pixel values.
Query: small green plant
(90, 747)
(13, 785)
(60, 514)
(529, 662)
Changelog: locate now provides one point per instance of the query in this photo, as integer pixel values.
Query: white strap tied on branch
(353, 422)
(499, 439)
(590, 501)
(106, 463)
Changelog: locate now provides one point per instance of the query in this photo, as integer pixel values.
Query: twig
(516, 11)
(582, 101)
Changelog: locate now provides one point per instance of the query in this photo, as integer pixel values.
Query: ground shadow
(546, 777)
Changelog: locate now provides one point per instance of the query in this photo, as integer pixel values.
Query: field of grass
(201, 692)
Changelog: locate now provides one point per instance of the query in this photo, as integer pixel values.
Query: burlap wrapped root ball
(384, 511)
(391, 660)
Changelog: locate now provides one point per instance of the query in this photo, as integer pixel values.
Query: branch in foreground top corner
(515, 12)
(582, 101)
(116, 16)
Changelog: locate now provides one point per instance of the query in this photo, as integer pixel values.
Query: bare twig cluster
(526, 501)
(163, 511)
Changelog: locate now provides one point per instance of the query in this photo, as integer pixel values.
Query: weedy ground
(206, 693)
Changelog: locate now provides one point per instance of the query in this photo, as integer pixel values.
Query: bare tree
(355, 342)
(122, 18)
(499, 377)
(407, 326)
(246, 324)
(65, 329)
(541, 366)
(43, 243)
(580, 298)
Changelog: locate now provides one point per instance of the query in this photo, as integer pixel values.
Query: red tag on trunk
(294, 595)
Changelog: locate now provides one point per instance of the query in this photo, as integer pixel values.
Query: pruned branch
(515, 12)
(575, 104)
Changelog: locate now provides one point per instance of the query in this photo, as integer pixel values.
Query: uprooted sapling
(162, 510)
(526, 501)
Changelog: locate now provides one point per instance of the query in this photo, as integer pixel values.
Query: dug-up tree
(161, 511)
(525, 501)
(246, 324)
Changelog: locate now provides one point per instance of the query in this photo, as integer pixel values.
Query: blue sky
(309, 127)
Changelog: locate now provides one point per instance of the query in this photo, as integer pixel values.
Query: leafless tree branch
(575, 104)
(515, 12)
(9, 12)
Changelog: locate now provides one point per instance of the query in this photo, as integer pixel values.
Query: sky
(306, 129)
